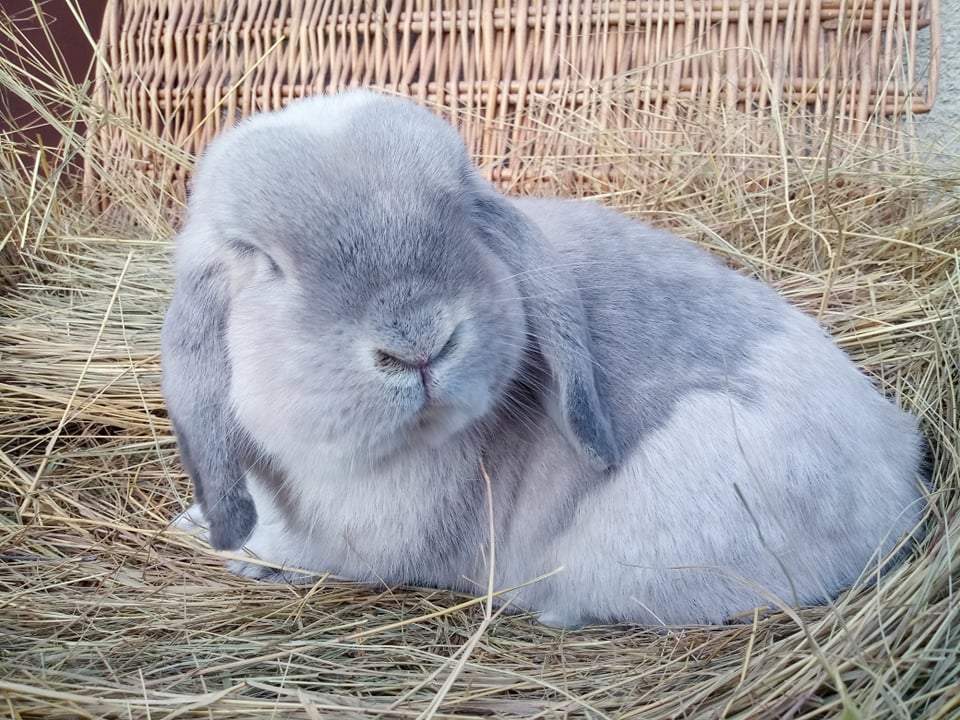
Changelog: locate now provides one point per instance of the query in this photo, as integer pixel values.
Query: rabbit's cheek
(467, 394)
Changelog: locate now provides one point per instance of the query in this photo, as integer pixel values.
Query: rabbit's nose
(405, 356)
(392, 360)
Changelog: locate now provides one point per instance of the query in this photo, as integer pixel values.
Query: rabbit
(360, 321)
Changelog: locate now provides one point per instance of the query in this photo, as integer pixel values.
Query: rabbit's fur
(679, 439)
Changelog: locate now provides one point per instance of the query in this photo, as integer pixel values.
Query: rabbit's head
(380, 290)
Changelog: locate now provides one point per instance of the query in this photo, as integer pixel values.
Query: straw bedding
(104, 612)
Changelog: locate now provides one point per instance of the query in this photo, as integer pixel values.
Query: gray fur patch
(661, 320)
(196, 377)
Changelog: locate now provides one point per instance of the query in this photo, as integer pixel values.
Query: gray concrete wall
(940, 129)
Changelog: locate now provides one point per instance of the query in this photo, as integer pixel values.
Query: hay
(106, 613)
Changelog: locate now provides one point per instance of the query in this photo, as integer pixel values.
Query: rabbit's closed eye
(246, 250)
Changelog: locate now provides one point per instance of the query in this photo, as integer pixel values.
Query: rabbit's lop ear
(556, 326)
(196, 383)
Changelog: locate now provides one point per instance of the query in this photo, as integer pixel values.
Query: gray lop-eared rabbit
(360, 320)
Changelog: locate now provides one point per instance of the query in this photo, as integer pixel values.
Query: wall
(941, 128)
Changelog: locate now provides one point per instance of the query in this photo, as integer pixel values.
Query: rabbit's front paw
(267, 574)
(562, 620)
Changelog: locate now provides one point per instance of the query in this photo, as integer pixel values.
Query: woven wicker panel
(186, 68)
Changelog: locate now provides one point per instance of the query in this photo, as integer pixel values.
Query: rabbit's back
(667, 319)
(755, 448)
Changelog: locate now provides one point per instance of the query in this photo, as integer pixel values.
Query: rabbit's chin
(430, 429)
(435, 427)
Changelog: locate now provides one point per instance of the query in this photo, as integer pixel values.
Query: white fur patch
(192, 521)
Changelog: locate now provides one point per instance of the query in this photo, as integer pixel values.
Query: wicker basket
(184, 69)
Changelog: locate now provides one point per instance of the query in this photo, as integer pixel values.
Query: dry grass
(105, 613)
